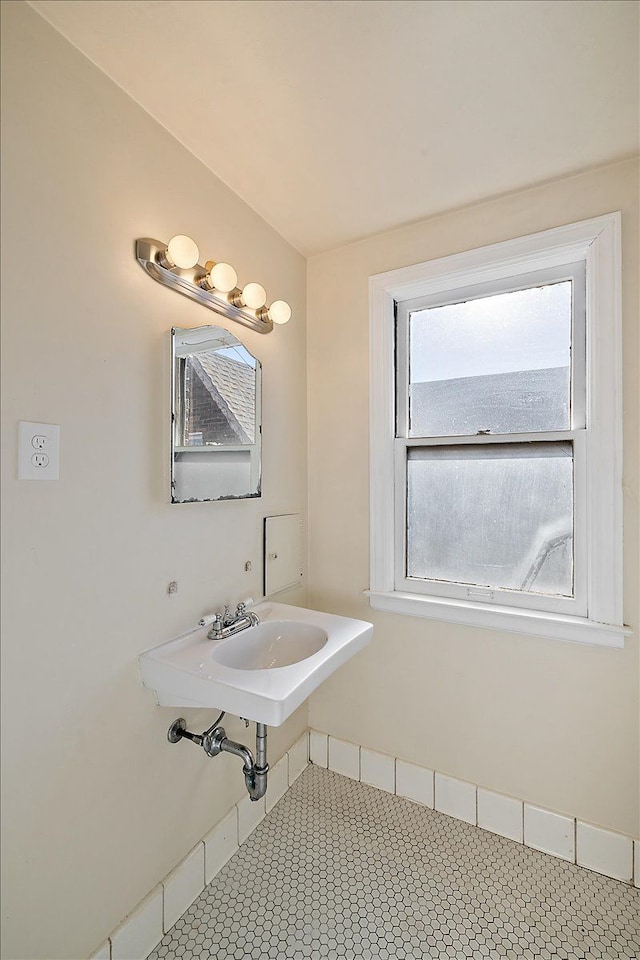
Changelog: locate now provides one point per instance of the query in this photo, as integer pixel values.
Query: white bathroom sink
(262, 673)
(271, 645)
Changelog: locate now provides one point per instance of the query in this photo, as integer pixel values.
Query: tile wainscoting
(145, 926)
(340, 870)
(603, 851)
(611, 854)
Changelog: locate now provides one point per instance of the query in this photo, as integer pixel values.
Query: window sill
(533, 623)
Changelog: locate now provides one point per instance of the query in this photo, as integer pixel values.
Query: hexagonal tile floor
(339, 869)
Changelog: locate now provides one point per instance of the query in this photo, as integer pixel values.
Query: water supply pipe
(214, 741)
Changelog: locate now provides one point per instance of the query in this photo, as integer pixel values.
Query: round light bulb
(280, 311)
(182, 252)
(254, 295)
(223, 277)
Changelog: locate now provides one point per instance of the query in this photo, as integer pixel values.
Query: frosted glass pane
(498, 516)
(498, 364)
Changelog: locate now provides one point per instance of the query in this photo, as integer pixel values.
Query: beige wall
(97, 805)
(550, 722)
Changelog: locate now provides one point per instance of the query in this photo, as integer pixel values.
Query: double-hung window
(495, 436)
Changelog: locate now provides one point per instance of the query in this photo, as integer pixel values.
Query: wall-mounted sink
(262, 673)
(271, 645)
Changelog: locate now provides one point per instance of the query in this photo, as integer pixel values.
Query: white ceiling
(336, 119)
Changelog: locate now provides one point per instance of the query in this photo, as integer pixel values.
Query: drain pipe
(214, 741)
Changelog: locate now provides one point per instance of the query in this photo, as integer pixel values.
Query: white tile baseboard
(378, 770)
(344, 758)
(603, 851)
(137, 936)
(319, 749)
(457, 798)
(606, 852)
(278, 782)
(250, 814)
(141, 931)
(298, 756)
(415, 783)
(220, 844)
(183, 885)
(500, 814)
(550, 832)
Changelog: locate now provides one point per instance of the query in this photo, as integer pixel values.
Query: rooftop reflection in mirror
(216, 417)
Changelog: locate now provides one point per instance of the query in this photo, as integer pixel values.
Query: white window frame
(596, 243)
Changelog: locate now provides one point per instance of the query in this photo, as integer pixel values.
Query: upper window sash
(575, 273)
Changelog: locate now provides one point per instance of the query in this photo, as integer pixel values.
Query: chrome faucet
(226, 624)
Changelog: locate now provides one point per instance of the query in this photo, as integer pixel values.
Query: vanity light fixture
(280, 311)
(254, 295)
(180, 252)
(175, 264)
(219, 276)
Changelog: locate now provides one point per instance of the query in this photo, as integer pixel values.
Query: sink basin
(262, 673)
(270, 645)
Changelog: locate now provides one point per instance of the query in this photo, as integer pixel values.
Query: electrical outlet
(44, 439)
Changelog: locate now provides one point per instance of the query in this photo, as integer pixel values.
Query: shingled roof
(232, 385)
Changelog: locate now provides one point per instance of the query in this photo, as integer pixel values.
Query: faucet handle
(217, 626)
(241, 609)
(210, 618)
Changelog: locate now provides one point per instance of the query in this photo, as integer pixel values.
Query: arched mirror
(216, 417)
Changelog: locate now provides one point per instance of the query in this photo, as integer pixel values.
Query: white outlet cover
(38, 443)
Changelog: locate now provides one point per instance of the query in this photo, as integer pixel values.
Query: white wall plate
(38, 451)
